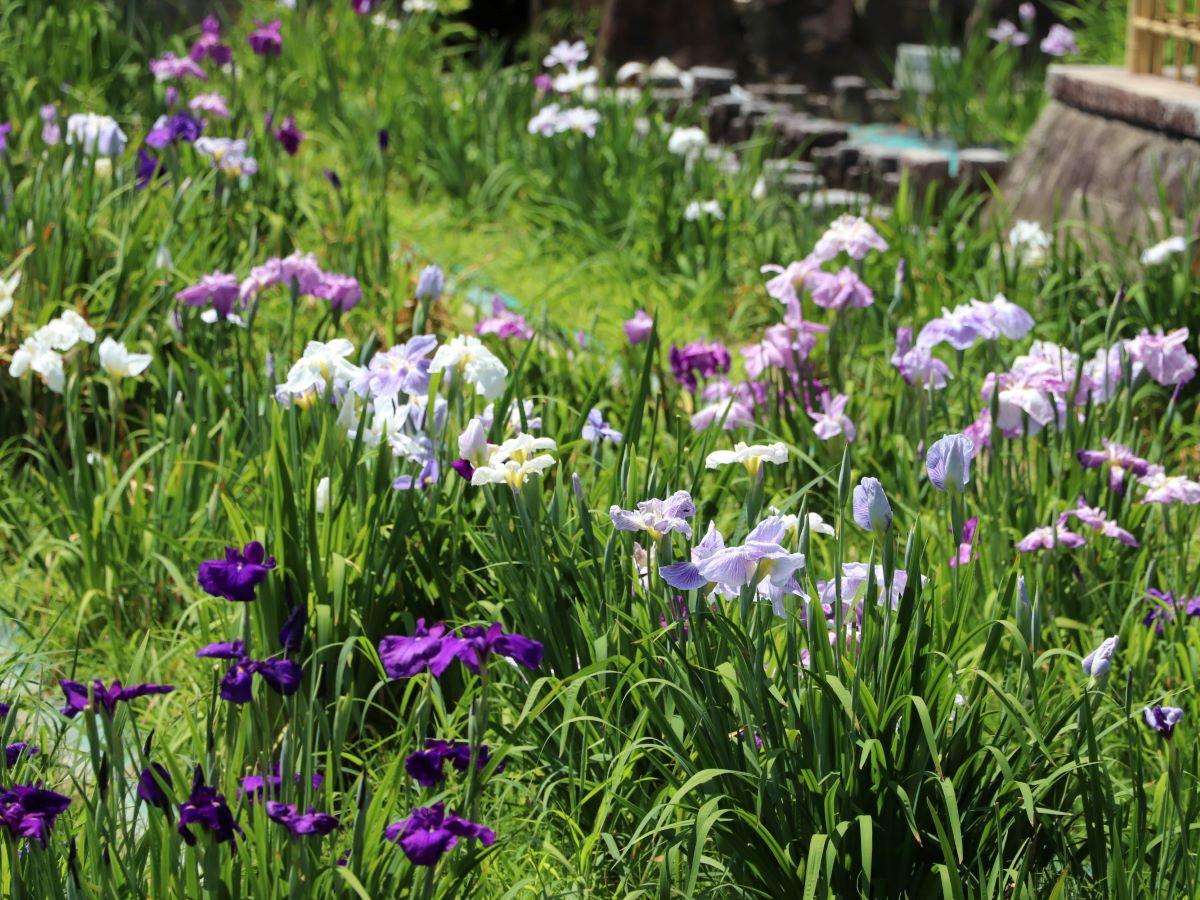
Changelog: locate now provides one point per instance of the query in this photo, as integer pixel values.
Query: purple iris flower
(963, 556)
(429, 833)
(153, 783)
(4, 710)
(384, 139)
(291, 635)
(430, 649)
(222, 650)
(267, 40)
(429, 474)
(840, 290)
(206, 807)
(302, 824)
(425, 767)
(256, 788)
(638, 329)
(477, 643)
(1048, 537)
(464, 469)
(504, 323)
(430, 283)
(169, 67)
(656, 517)
(362, 7)
(342, 291)
(402, 369)
(595, 429)
(219, 289)
(237, 575)
(146, 169)
(5, 131)
(106, 698)
(698, 358)
(281, 675)
(209, 43)
(1166, 607)
(29, 810)
(333, 178)
(14, 751)
(1163, 719)
(51, 133)
(179, 127)
(1060, 41)
(1117, 459)
(289, 136)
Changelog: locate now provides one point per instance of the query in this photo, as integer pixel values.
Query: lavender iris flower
(430, 283)
(854, 580)
(429, 833)
(237, 575)
(685, 576)
(29, 811)
(596, 429)
(206, 807)
(948, 462)
(657, 517)
(301, 824)
(105, 698)
(872, 511)
(1097, 663)
(402, 369)
(51, 132)
(761, 560)
(1162, 719)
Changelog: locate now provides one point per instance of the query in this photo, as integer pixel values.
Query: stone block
(850, 98)
(720, 113)
(976, 162)
(709, 81)
(883, 105)
(797, 133)
(1150, 101)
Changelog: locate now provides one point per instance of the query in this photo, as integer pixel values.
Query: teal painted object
(901, 138)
